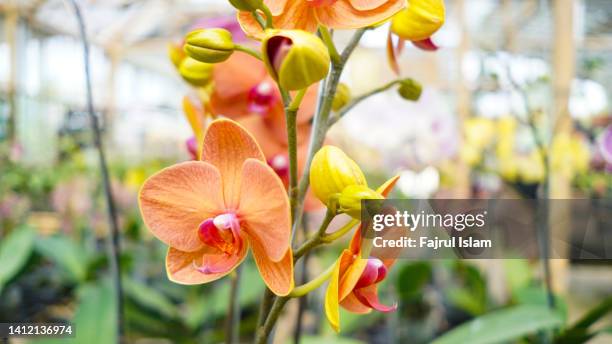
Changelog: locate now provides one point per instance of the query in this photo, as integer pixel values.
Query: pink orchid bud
(374, 272)
(261, 98)
(192, 147)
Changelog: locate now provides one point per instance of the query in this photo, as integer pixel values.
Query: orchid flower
(308, 14)
(354, 280)
(210, 211)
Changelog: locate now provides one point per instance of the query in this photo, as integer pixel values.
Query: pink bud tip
(192, 147)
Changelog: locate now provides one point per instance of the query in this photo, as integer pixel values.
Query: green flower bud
(296, 59)
(247, 5)
(349, 201)
(209, 45)
(410, 89)
(195, 72)
(342, 97)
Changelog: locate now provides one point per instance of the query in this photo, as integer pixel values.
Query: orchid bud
(262, 97)
(209, 45)
(247, 5)
(410, 89)
(342, 97)
(195, 72)
(419, 20)
(349, 201)
(176, 54)
(331, 172)
(296, 59)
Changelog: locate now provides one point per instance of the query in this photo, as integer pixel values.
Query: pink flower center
(374, 272)
(261, 98)
(192, 147)
(221, 232)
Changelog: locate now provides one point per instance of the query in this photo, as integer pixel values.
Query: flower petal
(230, 95)
(195, 116)
(181, 266)
(174, 202)
(364, 5)
(297, 14)
(227, 145)
(369, 296)
(387, 186)
(350, 276)
(342, 15)
(264, 209)
(332, 302)
(353, 305)
(278, 275)
(276, 6)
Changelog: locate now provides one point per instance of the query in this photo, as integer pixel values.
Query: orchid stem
(114, 237)
(326, 36)
(233, 310)
(269, 23)
(247, 50)
(259, 19)
(313, 284)
(340, 232)
(264, 331)
(316, 239)
(359, 99)
(291, 109)
(321, 119)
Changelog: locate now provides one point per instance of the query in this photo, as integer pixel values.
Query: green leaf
(518, 273)
(579, 332)
(66, 254)
(95, 318)
(536, 295)
(15, 249)
(411, 279)
(149, 298)
(502, 325)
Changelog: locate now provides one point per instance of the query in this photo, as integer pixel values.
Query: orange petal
(369, 297)
(351, 276)
(364, 5)
(392, 54)
(181, 266)
(264, 209)
(278, 275)
(353, 305)
(195, 117)
(230, 95)
(386, 188)
(227, 145)
(174, 202)
(342, 15)
(256, 125)
(297, 14)
(276, 6)
(332, 309)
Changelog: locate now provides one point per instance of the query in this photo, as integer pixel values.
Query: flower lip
(374, 272)
(221, 232)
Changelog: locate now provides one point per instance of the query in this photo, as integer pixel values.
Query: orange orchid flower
(337, 14)
(210, 211)
(353, 284)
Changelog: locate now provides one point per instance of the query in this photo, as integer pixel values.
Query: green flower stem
(339, 233)
(313, 284)
(316, 239)
(256, 54)
(266, 10)
(263, 332)
(320, 127)
(321, 119)
(259, 19)
(291, 109)
(264, 307)
(329, 42)
(348, 107)
(233, 309)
